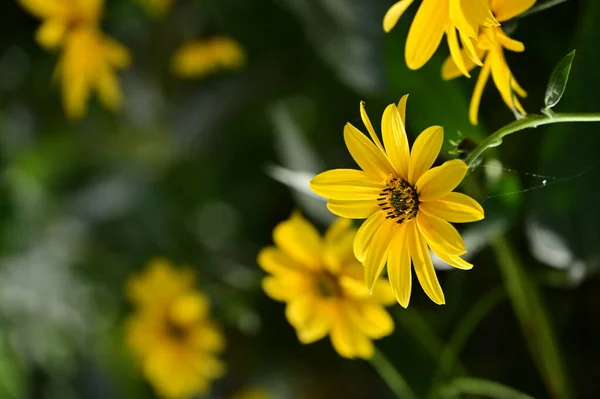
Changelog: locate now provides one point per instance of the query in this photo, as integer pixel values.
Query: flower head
(408, 204)
(198, 58)
(88, 63)
(171, 333)
(489, 47)
(321, 283)
(455, 18)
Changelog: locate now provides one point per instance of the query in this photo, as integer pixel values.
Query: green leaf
(477, 386)
(558, 81)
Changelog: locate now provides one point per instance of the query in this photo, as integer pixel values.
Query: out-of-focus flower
(157, 7)
(252, 393)
(61, 16)
(436, 18)
(321, 283)
(171, 333)
(407, 203)
(88, 63)
(490, 47)
(198, 58)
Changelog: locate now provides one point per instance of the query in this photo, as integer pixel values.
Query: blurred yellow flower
(157, 7)
(436, 18)
(60, 16)
(321, 283)
(252, 393)
(88, 63)
(490, 47)
(407, 203)
(171, 333)
(198, 58)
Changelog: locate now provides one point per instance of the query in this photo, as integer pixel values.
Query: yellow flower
(171, 333)
(198, 58)
(157, 7)
(321, 283)
(490, 47)
(436, 18)
(407, 203)
(88, 63)
(60, 16)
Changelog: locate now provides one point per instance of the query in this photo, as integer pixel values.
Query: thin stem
(542, 7)
(530, 121)
(391, 376)
(533, 319)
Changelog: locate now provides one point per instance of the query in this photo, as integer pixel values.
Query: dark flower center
(399, 200)
(328, 285)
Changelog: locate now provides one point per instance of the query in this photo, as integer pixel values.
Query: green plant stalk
(530, 121)
(391, 376)
(533, 320)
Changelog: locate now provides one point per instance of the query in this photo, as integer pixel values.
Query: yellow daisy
(407, 203)
(88, 63)
(171, 333)
(436, 18)
(61, 16)
(490, 47)
(198, 58)
(321, 283)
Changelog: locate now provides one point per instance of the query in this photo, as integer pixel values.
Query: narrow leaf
(558, 80)
(476, 386)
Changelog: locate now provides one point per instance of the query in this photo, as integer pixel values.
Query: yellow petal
(441, 236)
(51, 33)
(365, 234)
(317, 326)
(346, 184)
(116, 54)
(423, 266)
(398, 267)
(45, 9)
(394, 13)
(439, 181)
(109, 90)
(366, 154)
(424, 152)
(503, 79)
(377, 253)
(455, 51)
(352, 209)
(299, 240)
(299, 310)
(339, 240)
(402, 108)
(426, 32)
(451, 71)
(507, 9)
(347, 339)
(475, 13)
(208, 337)
(279, 289)
(470, 52)
(369, 126)
(373, 320)
(188, 309)
(455, 261)
(383, 293)
(455, 208)
(484, 75)
(275, 261)
(508, 43)
(337, 231)
(395, 140)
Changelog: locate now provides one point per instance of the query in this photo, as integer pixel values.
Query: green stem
(533, 320)
(542, 7)
(391, 376)
(529, 121)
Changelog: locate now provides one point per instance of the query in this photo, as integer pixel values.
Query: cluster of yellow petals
(321, 283)
(198, 58)
(89, 59)
(407, 203)
(171, 333)
(483, 42)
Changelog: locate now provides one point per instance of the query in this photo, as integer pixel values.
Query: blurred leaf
(12, 380)
(477, 386)
(558, 81)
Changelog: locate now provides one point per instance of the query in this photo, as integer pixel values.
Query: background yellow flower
(321, 283)
(198, 58)
(171, 333)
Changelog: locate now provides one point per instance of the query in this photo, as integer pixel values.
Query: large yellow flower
(197, 58)
(436, 18)
(88, 63)
(407, 204)
(321, 282)
(171, 333)
(490, 46)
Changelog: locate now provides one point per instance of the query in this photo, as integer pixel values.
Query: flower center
(175, 331)
(398, 200)
(328, 285)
